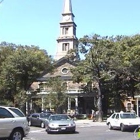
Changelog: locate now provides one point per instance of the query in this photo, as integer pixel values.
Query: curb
(27, 138)
(89, 123)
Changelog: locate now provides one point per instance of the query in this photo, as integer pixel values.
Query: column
(31, 105)
(69, 103)
(50, 105)
(42, 108)
(27, 108)
(76, 105)
(137, 106)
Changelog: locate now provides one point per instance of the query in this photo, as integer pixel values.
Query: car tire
(48, 132)
(110, 126)
(73, 131)
(30, 123)
(122, 127)
(42, 125)
(16, 134)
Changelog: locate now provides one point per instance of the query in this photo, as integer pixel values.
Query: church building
(67, 40)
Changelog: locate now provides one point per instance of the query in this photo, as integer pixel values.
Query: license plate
(63, 128)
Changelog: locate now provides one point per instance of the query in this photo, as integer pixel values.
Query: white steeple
(67, 7)
(67, 12)
(67, 39)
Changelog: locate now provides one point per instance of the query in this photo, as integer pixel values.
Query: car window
(43, 115)
(117, 116)
(18, 112)
(35, 115)
(5, 113)
(113, 116)
(59, 117)
(131, 115)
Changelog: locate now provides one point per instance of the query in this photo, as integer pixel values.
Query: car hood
(62, 122)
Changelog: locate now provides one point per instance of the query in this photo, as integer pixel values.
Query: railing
(72, 91)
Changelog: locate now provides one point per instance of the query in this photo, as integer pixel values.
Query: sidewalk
(87, 123)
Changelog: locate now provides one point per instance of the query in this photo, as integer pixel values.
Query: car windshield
(125, 116)
(59, 117)
(43, 115)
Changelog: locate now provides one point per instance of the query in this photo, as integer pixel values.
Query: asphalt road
(82, 133)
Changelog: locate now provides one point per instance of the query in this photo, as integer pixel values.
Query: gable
(61, 69)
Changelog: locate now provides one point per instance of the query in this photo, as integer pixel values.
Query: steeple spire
(67, 39)
(67, 7)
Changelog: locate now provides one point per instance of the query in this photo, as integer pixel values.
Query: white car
(13, 123)
(123, 121)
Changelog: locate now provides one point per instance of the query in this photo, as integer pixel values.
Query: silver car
(13, 123)
(38, 119)
(60, 123)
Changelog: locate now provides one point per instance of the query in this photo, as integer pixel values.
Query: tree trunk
(100, 112)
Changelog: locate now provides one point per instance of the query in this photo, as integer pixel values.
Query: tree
(57, 96)
(111, 62)
(127, 63)
(6, 49)
(96, 65)
(22, 67)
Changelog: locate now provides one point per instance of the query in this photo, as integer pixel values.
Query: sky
(36, 22)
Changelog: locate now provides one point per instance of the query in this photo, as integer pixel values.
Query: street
(82, 133)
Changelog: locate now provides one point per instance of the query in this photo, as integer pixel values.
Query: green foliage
(20, 66)
(57, 93)
(113, 63)
(98, 53)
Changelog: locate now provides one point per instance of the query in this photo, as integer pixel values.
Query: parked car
(13, 123)
(38, 119)
(123, 121)
(60, 122)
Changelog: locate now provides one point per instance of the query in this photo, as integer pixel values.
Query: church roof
(64, 60)
(46, 75)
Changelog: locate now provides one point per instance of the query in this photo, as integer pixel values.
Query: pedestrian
(93, 115)
(133, 111)
(97, 115)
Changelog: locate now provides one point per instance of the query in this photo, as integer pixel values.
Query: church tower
(67, 39)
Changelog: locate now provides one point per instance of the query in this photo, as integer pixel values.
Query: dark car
(59, 123)
(38, 119)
